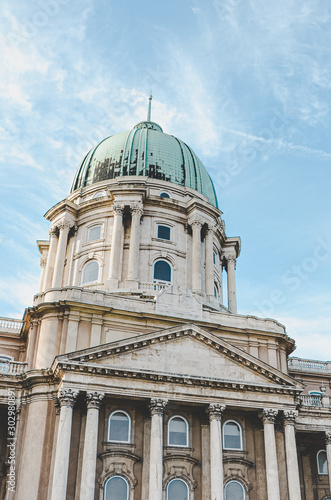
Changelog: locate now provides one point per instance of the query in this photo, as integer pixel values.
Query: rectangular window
(94, 233)
(163, 232)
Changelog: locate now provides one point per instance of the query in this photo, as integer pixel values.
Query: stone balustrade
(310, 365)
(12, 367)
(10, 324)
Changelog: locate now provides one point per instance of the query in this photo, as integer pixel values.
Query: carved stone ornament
(215, 411)
(230, 258)
(136, 209)
(43, 261)
(290, 416)
(94, 400)
(64, 224)
(157, 406)
(57, 406)
(67, 397)
(53, 231)
(195, 222)
(328, 436)
(268, 415)
(118, 209)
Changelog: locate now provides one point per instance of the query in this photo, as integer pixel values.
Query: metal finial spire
(149, 114)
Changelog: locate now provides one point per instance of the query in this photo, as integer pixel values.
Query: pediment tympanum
(187, 352)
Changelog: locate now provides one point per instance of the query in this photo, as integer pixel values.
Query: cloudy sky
(246, 83)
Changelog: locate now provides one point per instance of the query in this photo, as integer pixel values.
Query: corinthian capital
(94, 400)
(118, 208)
(268, 415)
(67, 397)
(64, 224)
(215, 411)
(136, 209)
(328, 436)
(43, 261)
(53, 231)
(157, 406)
(196, 221)
(290, 416)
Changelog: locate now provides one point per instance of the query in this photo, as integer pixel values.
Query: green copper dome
(145, 150)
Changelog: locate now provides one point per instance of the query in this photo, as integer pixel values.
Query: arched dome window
(178, 431)
(322, 462)
(90, 272)
(119, 427)
(232, 436)
(162, 271)
(177, 489)
(116, 488)
(234, 491)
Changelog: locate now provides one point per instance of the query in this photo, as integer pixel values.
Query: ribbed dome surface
(145, 150)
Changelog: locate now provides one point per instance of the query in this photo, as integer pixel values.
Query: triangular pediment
(188, 352)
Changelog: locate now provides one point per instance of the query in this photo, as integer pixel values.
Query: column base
(132, 284)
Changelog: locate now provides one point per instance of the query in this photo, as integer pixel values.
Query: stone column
(115, 252)
(291, 455)
(133, 264)
(67, 400)
(156, 451)
(43, 262)
(215, 411)
(268, 416)
(232, 296)
(64, 228)
(196, 254)
(89, 464)
(209, 262)
(328, 453)
(53, 232)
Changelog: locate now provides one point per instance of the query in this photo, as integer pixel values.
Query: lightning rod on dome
(149, 114)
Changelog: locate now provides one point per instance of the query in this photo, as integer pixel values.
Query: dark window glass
(163, 232)
(177, 490)
(234, 491)
(119, 427)
(232, 436)
(322, 462)
(164, 195)
(116, 489)
(162, 271)
(177, 432)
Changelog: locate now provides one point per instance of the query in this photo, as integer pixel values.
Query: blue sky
(246, 83)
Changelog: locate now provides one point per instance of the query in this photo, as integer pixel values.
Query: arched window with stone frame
(232, 435)
(234, 490)
(116, 488)
(178, 431)
(162, 272)
(322, 463)
(119, 427)
(177, 489)
(90, 272)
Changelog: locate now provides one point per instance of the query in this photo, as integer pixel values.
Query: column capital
(157, 406)
(118, 208)
(328, 436)
(137, 209)
(230, 258)
(67, 397)
(211, 229)
(53, 231)
(94, 400)
(43, 261)
(290, 416)
(65, 224)
(215, 411)
(195, 221)
(268, 415)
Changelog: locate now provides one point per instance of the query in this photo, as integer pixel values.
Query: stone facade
(135, 375)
